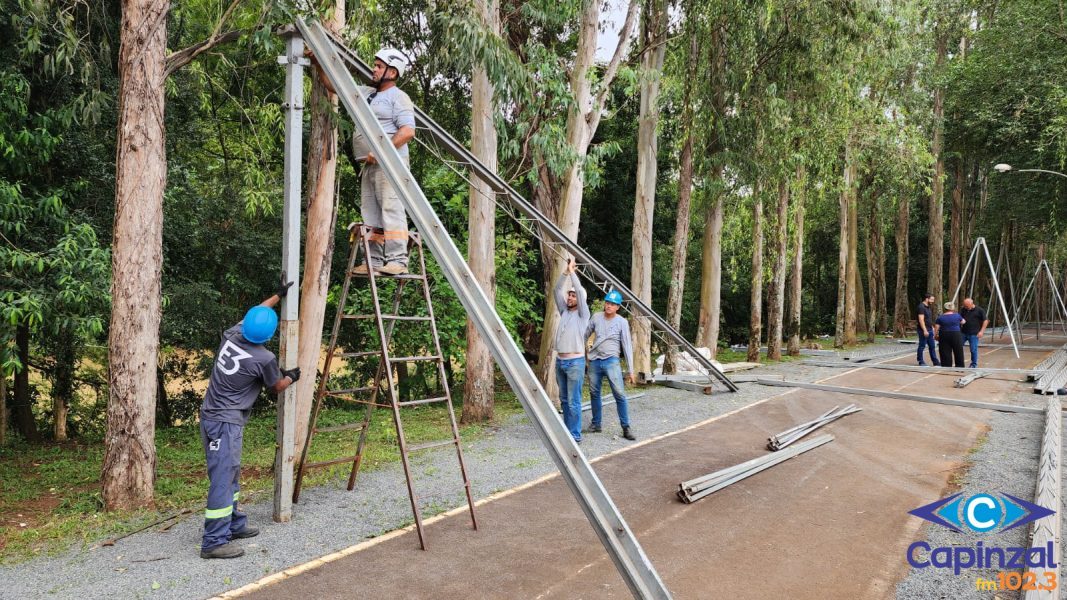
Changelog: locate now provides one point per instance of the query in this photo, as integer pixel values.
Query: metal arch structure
(619, 541)
(526, 214)
(972, 266)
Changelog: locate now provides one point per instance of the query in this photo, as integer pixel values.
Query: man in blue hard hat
(570, 347)
(611, 337)
(242, 368)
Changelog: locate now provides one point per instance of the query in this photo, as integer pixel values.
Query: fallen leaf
(155, 585)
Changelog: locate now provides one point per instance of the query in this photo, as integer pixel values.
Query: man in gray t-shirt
(611, 338)
(381, 207)
(242, 368)
(570, 347)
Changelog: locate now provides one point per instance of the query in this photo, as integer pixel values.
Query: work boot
(393, 268)
(626, 433)
(247, 532)
(227, 550)
(595, 429)
(362, 269)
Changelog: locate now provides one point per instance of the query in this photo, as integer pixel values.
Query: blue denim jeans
(972, 341)
(570, 373)
(610, 368)
(927, 341)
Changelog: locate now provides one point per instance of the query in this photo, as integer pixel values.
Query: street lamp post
(1005, 168)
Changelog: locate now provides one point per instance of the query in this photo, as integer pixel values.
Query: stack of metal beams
(695, 489)
(781, 440)
(1055, 375)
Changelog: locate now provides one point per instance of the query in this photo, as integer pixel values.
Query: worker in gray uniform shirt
(571, 302)
(242, 368)
(611, 338)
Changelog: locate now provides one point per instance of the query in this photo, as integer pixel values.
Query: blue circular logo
(982, 512)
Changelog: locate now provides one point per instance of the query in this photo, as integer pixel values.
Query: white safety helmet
(393, 58)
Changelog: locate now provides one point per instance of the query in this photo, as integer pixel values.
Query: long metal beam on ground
(1046, 531)
(916, 368)
(901, 396)
(621, 544)
(596, 272)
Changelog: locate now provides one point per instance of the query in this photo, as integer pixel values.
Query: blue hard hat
(614, 297)
(259, 324)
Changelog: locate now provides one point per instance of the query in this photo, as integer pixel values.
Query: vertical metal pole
(294, 62)
(970, 259)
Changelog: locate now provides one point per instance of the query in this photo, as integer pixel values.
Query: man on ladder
(381, 206)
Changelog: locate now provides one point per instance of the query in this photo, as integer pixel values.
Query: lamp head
(1002, 168)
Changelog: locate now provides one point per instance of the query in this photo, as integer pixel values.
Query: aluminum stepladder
(383, 383)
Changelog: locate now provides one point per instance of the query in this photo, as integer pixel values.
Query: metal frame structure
(622, 546)
(972, 260)
(536, 224)
(1042, 266)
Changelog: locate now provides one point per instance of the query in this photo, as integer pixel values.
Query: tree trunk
(755, 324)
(128, 473)
(478, 390)
(164, 413)
(956, 231)
(776, 302)
(936, 240)
(875, 270)
(854, 309)
(63, 384)
(22, 406)
(796, 287)
(902, 310)
(711, 250)
(653, 34)
(3, 408)
(321, 213)
(843, 295)
(685, 192)
(582, 121)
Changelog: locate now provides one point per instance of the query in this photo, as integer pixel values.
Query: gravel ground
(156, 564)
(1006, 462)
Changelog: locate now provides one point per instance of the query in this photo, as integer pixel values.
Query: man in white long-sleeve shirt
(611, 338)
(573, 308)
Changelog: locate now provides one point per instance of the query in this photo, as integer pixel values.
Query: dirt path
(831, 523)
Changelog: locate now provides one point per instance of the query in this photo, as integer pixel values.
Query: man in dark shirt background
(924, 319)
(975, 322)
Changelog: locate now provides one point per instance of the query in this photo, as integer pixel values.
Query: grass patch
(50, 494)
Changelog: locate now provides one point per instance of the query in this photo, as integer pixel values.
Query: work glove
(283, 287)
(293, 374)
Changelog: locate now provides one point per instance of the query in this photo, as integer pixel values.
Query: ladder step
(386, 317)
(348, 391)
(429, 445)
(413, 358)
(356, 354)
(339, 428)
(404, 276)
(423, 401)
(326, 463)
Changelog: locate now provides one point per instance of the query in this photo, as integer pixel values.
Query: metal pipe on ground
(902, 396)
(782, 440)
(693, 490)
